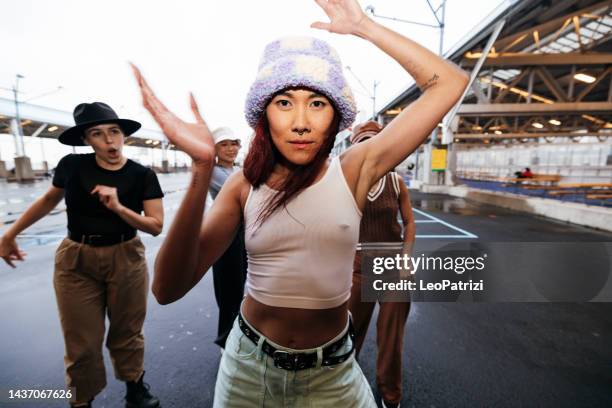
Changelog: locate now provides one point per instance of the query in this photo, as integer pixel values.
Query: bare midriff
(295, 328)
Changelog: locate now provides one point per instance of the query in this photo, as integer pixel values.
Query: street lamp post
(23, 165)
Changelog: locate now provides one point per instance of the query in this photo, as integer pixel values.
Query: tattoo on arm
(431, 82)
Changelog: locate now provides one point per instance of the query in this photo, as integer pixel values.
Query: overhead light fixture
(537, 125)
(536, 38)
(498, 132)
(554, 122)
(155, 143)
(52, 129)
(517, 91)
(149, 141)
(585, 78)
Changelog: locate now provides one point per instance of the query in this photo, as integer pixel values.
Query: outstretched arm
(9, 251)
(442, 84)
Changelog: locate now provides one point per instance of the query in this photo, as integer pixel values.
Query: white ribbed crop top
(302, 255)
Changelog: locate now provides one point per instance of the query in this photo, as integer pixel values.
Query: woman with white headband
(292, 346)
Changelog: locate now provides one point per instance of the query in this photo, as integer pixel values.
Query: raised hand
(9, 251)
(345, 16)
(195, 109)
(192, 138)
(108, 197)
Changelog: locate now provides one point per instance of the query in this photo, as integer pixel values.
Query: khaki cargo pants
(91, 283)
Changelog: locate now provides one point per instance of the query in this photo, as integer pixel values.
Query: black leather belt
(101, 240)
(300, 361)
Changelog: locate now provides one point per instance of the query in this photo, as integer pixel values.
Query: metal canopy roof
(34, 116)
(549, 72)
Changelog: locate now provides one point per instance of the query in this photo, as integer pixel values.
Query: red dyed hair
(263, 156)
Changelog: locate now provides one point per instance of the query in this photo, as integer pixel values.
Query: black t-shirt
(78, 174)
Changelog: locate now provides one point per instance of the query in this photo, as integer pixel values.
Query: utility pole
(370, 95)
(440, 20)
(374, 85)
(18, 133)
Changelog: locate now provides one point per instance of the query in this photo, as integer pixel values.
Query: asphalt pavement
(455, 354)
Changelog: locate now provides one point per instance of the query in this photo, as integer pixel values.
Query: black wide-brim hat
(87, 115)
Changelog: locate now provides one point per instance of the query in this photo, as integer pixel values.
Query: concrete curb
(575, 213)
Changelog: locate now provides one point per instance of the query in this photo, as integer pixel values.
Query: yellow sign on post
(438, 159)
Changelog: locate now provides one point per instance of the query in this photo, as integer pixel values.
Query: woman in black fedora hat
(100, 267)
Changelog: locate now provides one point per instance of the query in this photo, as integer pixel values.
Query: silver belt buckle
(285, 360)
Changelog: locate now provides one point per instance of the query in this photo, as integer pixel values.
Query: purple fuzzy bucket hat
(300, 61)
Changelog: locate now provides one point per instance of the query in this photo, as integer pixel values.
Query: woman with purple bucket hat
(292, 344)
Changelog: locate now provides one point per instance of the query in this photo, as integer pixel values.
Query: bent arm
(36, 211)
(196, 240)
(407, 215)
(409, 226)
(152, 221)
(441, 82)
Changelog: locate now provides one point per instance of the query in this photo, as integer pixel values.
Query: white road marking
(466, 233)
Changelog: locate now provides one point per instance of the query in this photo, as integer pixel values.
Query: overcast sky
(209, 47)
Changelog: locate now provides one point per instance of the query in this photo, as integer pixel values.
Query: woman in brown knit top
(379, 224)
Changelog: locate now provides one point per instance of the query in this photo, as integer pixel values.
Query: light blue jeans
(247, 378)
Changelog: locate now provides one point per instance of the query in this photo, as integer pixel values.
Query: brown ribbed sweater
(379, 222)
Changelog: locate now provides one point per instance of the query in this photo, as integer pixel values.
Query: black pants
(229, 276)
